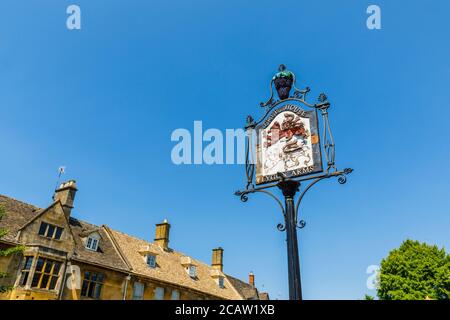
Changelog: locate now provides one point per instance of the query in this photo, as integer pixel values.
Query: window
(151, 260)
(192, 270)
(25, 271)
(92, 243)
(58, 233)
(92, 285)
(138, 291)
(175, 295)
(50, 231)
(221, 282)
(159, 293)
(46, 274)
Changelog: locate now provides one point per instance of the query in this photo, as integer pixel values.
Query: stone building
(66, 258)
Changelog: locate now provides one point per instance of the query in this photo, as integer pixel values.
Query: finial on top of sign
(284, 81)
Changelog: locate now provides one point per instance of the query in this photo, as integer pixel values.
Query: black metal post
(289, 189)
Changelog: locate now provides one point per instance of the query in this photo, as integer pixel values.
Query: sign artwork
(288, 143)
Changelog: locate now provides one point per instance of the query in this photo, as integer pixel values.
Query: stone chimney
(66, 194)
(217, 259)
(251, 279)
(162, 234)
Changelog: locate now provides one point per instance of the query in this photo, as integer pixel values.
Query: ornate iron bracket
(342, 179)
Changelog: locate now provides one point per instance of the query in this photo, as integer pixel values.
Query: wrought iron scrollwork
(343, 176)
(244, 197)
(327, 136)
(249, 165)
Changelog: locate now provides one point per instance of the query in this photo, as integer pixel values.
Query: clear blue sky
(104, 101)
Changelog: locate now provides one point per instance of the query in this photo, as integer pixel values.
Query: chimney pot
(251, 279)
(162, 234)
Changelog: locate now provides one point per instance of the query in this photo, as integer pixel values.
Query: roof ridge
(85, 222)
(153, 244)
(21, 202)
(128, 235)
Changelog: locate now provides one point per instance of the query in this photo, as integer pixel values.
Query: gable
(55, 218)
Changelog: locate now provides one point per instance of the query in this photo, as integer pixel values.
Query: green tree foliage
(415, 271)
(6, 252)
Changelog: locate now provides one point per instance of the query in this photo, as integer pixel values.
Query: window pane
(151, 260)
(48, 266)
(175, 295)
(192, 272)
(138, 291)
(44, 281)
(90, 291)
(28, 262)
(24, 278)
(50, 231)
(53, 282)
(56, 268)
(87, 275)
(35, 281)
(100, 277)
(84, 288)
(88, 244)
(58, 233)
(94, 244)
(42, 228)
(39, 264)
(98, 289)
(159, 293)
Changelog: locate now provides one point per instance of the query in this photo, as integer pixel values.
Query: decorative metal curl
(343, 176)
(301, 224)
(342, 179)
(322, 97)
(242, 195)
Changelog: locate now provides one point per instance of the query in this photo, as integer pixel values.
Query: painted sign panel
(288, 142)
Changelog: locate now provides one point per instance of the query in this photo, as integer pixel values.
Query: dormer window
(151, 260)
(221, 282)
(190, 267)
(192, 270)
(50, 231)
(218, 277)
(148, 255)
(92, 242)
